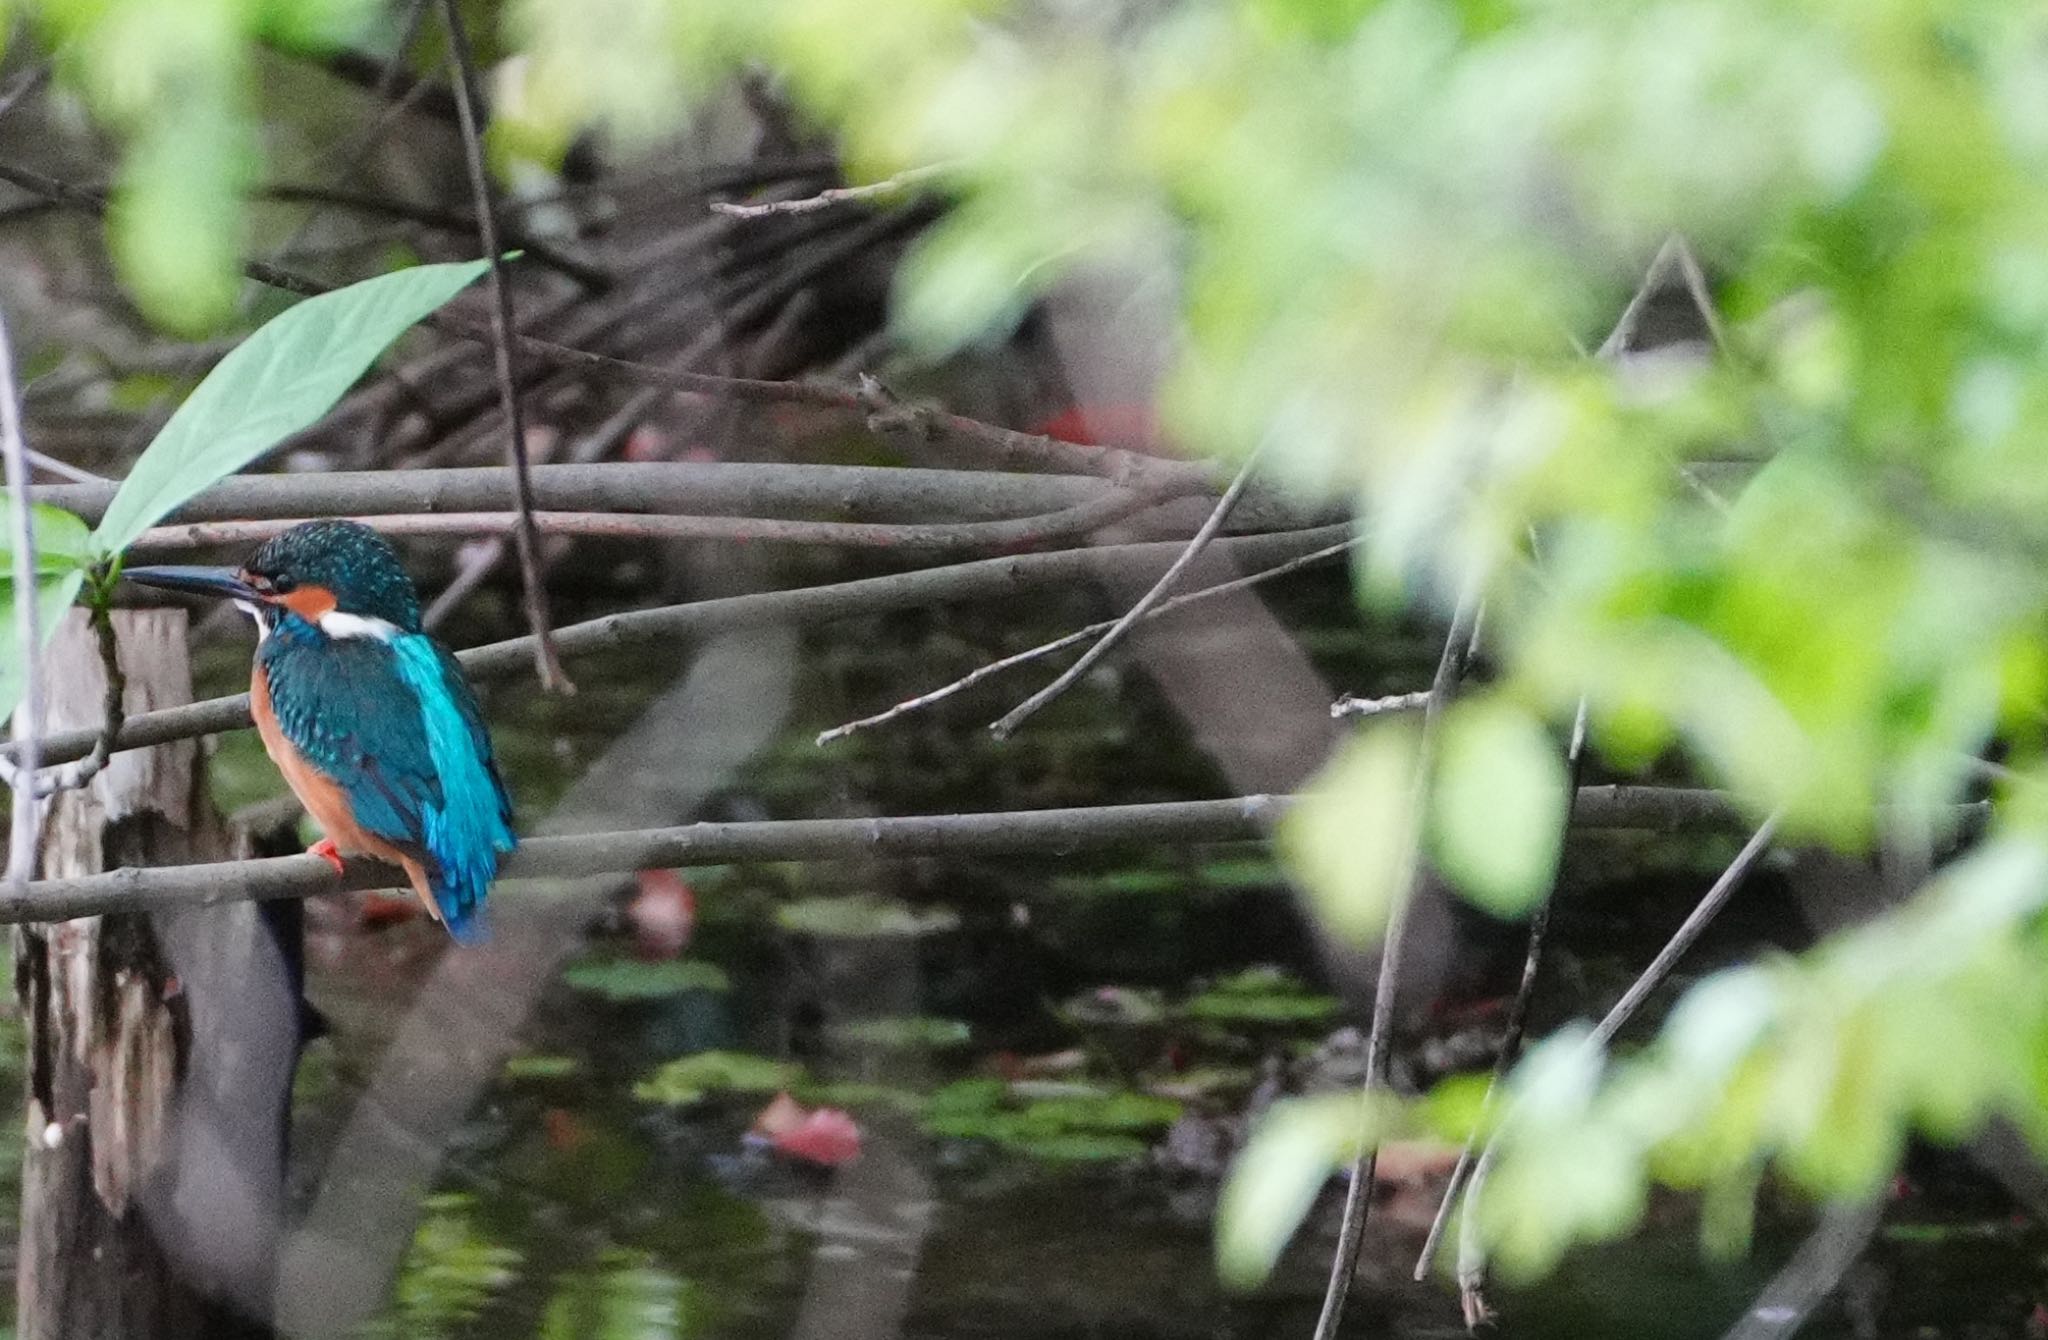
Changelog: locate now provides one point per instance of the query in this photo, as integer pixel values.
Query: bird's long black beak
(223, 583)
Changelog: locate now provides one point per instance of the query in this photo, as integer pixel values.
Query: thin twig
(1844, 1230)
(64, 469)
(79, 771)
(1350, 706)
(23, 84)
(1450, 667)
(1018, 715)
(836, 195)
(592, 277)
(975, 676)
(992, 444)
(1471, 1250)
(526, 538)
(1518, 1010)
(27, 813)
(978, 579)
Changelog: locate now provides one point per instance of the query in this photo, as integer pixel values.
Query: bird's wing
(471, 713)
(347, 708)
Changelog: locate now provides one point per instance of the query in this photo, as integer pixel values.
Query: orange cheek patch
(308, 602)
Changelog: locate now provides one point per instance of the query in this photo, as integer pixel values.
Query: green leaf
(628, 979)
(1291, 1154)
(691, 1079)
(279, 380)
(1497, 809)
(62, 539)
(1350, 839)
(863, 917)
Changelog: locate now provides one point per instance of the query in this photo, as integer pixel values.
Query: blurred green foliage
(176, 79)
(1810, 558)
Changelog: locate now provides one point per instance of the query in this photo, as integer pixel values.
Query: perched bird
(369, 719)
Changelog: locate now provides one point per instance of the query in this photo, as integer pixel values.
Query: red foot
(324, 849)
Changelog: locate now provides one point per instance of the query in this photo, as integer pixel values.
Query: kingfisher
(368, 717)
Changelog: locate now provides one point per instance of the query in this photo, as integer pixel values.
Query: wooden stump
(160, 1046)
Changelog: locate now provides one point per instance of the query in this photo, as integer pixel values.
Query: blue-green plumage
(371, 719)
(394, 723)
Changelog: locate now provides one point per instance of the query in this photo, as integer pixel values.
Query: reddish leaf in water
(390, 909)
(662, 915)
(824, 1136)
(828, 1138)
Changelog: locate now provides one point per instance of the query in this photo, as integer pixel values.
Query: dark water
(1046, 1060)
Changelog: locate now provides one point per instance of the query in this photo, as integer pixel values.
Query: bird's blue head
(317, 570)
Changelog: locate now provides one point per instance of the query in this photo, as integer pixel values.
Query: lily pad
(863, 918)
(1263, 995)
(902, 1033)
(631, 979)
(692, 1079)
(1076, 1123)
(541, 1067)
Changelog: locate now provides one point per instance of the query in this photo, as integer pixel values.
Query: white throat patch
(336, 624)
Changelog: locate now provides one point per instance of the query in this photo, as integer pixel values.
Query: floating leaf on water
(1077, 1147)
(1114, 1007)
(626, 1295)
(692, 1079)
(863, 917)
(1262, 995)
(902, 1032)
(541, 1067)
(631, 979)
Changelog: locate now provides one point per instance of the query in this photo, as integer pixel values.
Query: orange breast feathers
(324, 798)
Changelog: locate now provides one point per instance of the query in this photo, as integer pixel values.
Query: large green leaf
(1350, 838)
(63, 540)
(1293, 1150)
(279, 380)
(1497, 815)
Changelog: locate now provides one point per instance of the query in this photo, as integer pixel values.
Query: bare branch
(989, 444)
(564, 857)
(1450, 668)
(988, 578)
(745, 489)
(975, 676)
(836, 195)
(592, 277)
(1471, 1252)
(1021, 713)
(1518, 1008)
(936, 538)
(1349, 706)
(526, 540)
(22, 843)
